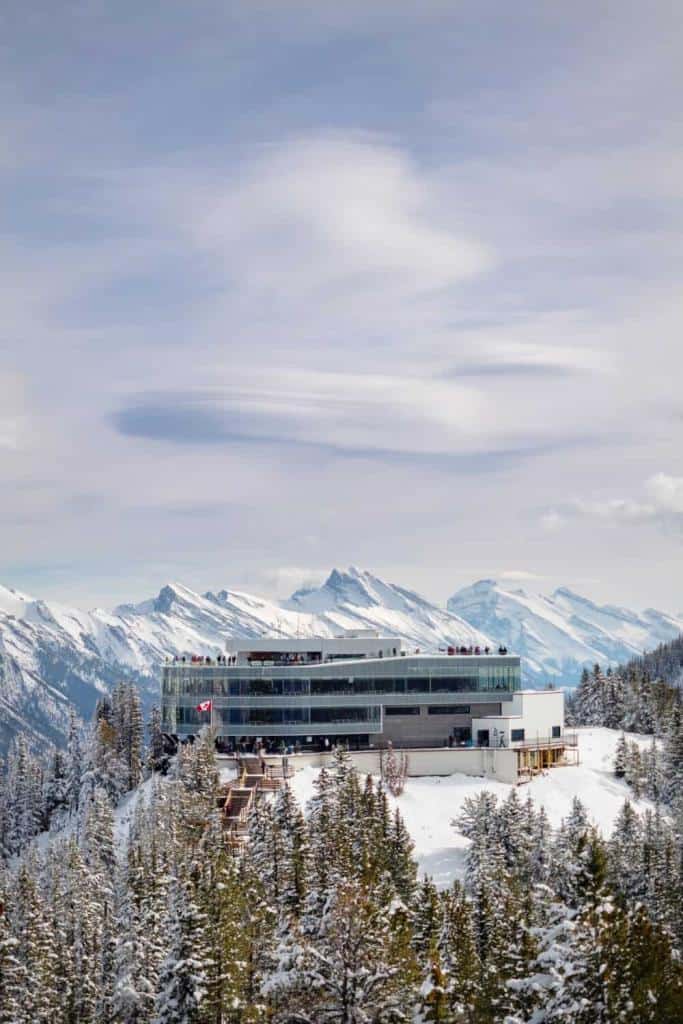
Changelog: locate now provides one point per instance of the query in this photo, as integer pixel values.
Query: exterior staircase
(256, 778)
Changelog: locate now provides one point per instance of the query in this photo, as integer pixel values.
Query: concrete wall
(498, 764)
(431, 730)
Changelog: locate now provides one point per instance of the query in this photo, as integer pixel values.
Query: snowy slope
(429, 805)
(557, 635)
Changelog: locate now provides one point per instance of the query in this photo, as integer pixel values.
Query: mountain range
(54, 657)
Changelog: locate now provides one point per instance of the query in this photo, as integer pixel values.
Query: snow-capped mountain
(557, 634)
(53, 657)
(357, 599)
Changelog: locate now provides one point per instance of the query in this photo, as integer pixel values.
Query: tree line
(42, 791)
(643, 696)
(320, 917)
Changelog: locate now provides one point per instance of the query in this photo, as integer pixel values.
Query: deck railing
(570, 739)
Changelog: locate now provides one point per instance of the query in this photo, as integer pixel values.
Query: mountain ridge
(54, 657)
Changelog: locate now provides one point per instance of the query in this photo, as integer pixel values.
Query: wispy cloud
(298, 270)
(661, 501)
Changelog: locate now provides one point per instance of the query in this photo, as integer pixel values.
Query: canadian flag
(204, 706)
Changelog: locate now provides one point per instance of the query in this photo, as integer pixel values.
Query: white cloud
(666, 493)
(317, 213)
(662, 502)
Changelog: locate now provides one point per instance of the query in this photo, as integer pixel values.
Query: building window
(412, 710)
(320, 687)
(321, 715)
(449, 709)
(557, 731)
(517, 735)
(447, 684)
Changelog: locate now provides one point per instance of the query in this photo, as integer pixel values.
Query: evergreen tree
(13, 978)
(620, 757)
(459, 957)
(157, 758)
(56, 787)
(182, 983)
(74, 763)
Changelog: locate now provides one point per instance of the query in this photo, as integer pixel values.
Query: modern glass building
(361, 689)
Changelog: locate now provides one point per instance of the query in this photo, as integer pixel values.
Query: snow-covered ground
(428, 805)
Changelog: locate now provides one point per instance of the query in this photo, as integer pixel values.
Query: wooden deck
(537, 756)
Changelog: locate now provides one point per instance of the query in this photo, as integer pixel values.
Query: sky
(290, 285)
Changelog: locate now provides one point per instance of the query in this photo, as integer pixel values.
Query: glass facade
(349, 696)
(196, 684)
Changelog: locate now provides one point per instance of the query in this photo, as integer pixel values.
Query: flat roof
(441, 657)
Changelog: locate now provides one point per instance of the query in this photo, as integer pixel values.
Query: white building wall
(540, 710)
(535, 711)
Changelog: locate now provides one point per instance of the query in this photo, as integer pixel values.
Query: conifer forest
(319, 916)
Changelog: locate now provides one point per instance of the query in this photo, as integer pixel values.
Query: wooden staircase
(237, 798)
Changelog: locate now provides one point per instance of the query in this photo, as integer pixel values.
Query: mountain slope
(558, 634)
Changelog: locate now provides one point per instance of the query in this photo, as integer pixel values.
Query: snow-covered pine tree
(672, 756)
(56, 786)
(126, 719)
(459, 958)
(620, 757)
(488, 884)
(401, 863)
(351, 969)
(132, 990)
(24, 796)
(567, 851)
(428, 921)
(74, 763)
(35, 949)
(157, 758)
(653, 776)
(103, 767)
(293, 854)
(633, 773)
(183, 978)
(13, 977)
(625, 869)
